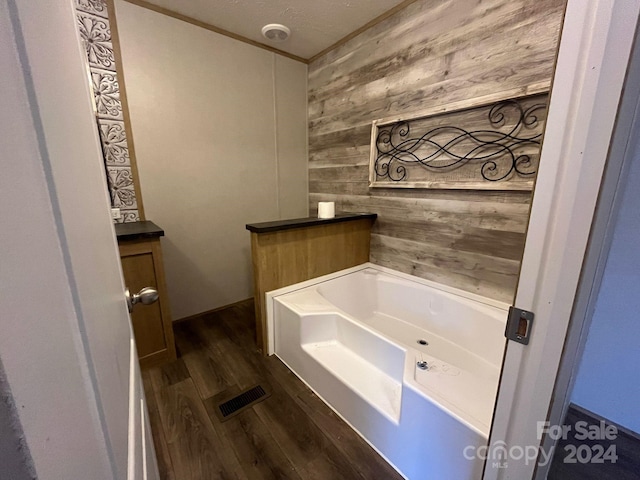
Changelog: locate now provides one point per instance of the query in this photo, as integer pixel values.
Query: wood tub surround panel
(285, 257)
(430, 54)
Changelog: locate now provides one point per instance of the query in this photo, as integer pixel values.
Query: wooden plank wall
(432, 52)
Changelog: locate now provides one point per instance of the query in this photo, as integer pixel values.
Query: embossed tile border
(106, 92)
(114, 142)
(127, 216)
(121, 187)
(96, 36)
(95, 7)
(95, 32)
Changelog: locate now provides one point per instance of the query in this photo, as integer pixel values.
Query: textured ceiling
(315, 24)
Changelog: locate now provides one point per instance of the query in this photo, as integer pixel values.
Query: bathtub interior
(387, 302)
(353, 338)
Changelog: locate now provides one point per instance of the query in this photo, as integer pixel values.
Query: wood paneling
(434, 52)
(363, 28)
(287, 257)
(290, 435)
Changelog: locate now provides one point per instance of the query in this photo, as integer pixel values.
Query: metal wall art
(488, 143)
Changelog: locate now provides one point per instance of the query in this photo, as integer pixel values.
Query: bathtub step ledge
(371, 384)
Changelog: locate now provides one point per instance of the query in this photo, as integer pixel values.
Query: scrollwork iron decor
(492, 146)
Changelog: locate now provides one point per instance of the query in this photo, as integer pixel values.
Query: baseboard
(214, 310)
(586, 458)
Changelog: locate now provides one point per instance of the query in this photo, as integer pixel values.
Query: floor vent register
(240, 402)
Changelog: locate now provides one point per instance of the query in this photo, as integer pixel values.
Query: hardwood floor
(290, 435)
(580, 458)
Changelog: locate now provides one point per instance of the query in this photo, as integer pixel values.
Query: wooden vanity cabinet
(141, 258)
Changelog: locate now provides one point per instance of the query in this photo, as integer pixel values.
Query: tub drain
(423, 342)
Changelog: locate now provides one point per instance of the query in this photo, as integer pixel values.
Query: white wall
(220, 133)
(608, 381)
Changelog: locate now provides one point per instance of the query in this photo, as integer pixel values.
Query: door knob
(145, 296)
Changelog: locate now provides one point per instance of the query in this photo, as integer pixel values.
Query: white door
(594, 53)
(67, 343)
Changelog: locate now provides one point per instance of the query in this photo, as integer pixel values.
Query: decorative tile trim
(95, 7)
(114, 142)
(95, 32)
(107, 94)
(96, 36)
(127, 216)
(120, 182)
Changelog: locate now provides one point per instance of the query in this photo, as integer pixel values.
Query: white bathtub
(354, 338)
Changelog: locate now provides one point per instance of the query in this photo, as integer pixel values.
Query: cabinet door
(139, 272)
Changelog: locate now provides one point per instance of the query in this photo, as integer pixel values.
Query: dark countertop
(137, 230)
(278, 225)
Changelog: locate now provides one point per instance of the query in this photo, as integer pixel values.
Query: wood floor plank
(259, 455)
(302, 441)
(566, 464)
(210, 374)
(237, 323)
(285, 377)
(232, 322)
(244, 369)
(187, 337)
(197, 453)
(290, 435)
(168, 374)
(370, 464)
